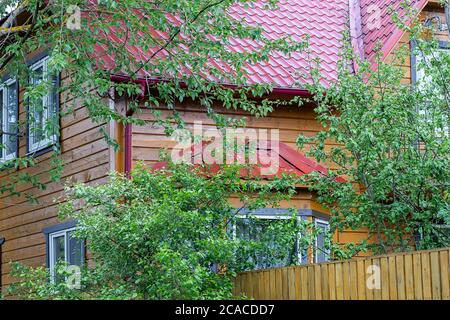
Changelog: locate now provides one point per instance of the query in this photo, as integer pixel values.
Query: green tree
(166, 235)
(393, 148)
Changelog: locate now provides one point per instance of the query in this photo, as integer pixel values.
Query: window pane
(321, 250)
(58, 249)
(11, 120)
(1, 122)
(272, 253)
(75, 251)
(37, 106)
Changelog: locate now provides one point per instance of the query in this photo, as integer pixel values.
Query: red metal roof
(323, 21)
(378, 27)
(290, 161)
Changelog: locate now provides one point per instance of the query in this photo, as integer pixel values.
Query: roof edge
(389, 46)
(144, 83)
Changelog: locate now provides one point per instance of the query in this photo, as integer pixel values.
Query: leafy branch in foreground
(391, 143)
(168, 235)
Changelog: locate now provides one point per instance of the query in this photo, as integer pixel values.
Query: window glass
(58, 250)
(8, 120)
(75, 250)
(271, 254)
(322, 254)
(64, 247)
(1, 123)
(11, 120)
(426, 83)
(42, 117)
(37, 112)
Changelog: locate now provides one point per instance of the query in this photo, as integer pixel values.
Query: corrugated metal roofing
(323, 21)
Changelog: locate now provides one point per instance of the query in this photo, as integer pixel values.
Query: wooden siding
(86, 158)
(406, 276)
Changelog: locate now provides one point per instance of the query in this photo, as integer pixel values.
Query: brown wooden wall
(85, 156)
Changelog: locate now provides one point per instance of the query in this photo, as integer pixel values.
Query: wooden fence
(407, 276)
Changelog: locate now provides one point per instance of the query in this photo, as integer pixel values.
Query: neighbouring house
(31, 232)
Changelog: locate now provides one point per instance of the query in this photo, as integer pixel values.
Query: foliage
(166, 235)
(392, 149)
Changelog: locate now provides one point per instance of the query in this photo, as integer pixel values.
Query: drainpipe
(129, 127)
(128, 148)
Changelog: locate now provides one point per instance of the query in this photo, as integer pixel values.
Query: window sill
(41, 151)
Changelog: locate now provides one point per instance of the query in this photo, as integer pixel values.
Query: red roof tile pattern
(378, 27)
(323, 21)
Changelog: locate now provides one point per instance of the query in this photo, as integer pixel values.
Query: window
(42, 112)
(62, 246)
(321, 253)
(8, 120)
(422, 61)
(253, 227)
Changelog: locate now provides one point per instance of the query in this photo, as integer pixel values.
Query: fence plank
(324, 280)
(353, 280)
(285, 284)
(346, 280)
(361, 280)
(266, 280)
(317, 282)
(291, 283)
(435, 276)
(255, 285)
(400, 277)
(417, 267)
(311, 284)
(445, 275)
(279, 284)
(339, 282)
(304, 284)
(273, 286)
(369, 291)
(426, 276)
(298, 284)
(332, 281)
(377, 290)
(409, 277)
(384, 278)
(392, 279)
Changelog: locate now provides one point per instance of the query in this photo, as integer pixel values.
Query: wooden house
(32, 234)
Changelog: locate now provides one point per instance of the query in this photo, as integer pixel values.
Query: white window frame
(4, 115)
(51, 237)
(34, 146)
(327, 224)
